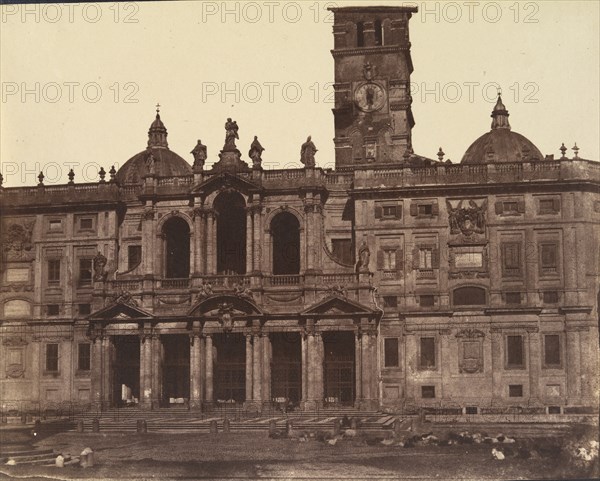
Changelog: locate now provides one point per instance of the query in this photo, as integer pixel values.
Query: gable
(336, 305)
(226, 180)
(119, 311)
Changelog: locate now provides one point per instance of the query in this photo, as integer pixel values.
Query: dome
(157, 157)
(501, 144)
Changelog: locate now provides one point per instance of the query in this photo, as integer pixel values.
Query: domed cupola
(501, 144)
(157, 158)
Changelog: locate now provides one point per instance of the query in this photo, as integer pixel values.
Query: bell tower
(373, 117)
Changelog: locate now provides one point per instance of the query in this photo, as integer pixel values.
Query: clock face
(369, 97)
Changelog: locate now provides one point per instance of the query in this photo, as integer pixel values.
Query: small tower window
(360, 34)
(378, 33)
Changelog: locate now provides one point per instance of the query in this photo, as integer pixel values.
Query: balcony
(175, 283)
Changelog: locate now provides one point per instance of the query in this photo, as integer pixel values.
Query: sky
(80, 82)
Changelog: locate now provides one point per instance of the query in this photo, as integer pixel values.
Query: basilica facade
(392, 280)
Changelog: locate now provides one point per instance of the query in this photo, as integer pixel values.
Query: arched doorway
(285, 232)
(176, 232)
(231, 233)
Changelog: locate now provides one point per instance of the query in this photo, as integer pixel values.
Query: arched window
(231, 233)
(378, 33)
(360, 34)
(177, 248)
(285, 232)
(469, 296)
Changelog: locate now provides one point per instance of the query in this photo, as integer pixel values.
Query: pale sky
(79, 82)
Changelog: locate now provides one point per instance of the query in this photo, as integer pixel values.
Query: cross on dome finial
(500, 114)
(158, 108)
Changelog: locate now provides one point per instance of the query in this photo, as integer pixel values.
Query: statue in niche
(255, 153)
(307, 153)
(231, 134)
(364, 257)
(100, 267)
(150, 161)
(199, 154)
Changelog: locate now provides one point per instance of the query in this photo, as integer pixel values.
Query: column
(249, 367)
(304, 352)
(97, 367)
(573, 366)
(570, 266)
(145, 379)
(497, 366)
(535, 362)
(589, 365)
(106, 356)
(197, 240)
(366, 361)
(257, 224)
(358, 367)
(195, 371)
(310, 355)
(257, 368)
(373, 371)
(266, 367)
(249, 241)
(310, 241)
(318, 367)
(411, 359)
(211, 243)
(208, 388)
(156, 361)
(445, 366)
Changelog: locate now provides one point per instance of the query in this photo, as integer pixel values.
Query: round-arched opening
(469, 296)
(231, 233)
(285, 232)
(177, 248)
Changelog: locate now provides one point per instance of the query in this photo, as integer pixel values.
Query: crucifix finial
(157, 108)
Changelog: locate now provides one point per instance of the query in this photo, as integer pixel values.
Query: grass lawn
(255, 455)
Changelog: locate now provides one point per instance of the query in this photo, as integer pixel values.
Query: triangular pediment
(120, 311)
(225, 181)
(337, 305)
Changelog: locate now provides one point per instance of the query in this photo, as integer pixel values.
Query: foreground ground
(256, 456)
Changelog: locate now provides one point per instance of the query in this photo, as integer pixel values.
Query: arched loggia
(176, 233)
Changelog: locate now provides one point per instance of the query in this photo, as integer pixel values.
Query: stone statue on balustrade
(255, 153)
(307, 153)
(200, 155)
(231, 134)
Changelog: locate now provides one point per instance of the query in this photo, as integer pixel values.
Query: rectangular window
(52, 357)
(515, 390)
(425, 210)
(391, 352)
(55, 225)
(552, 350)
(85, 309)
(428, 392)
(83, 357)
(427, 353)
(86, 223)
(550, 297)
(513, 297)
(53, 271)
(389, 211)
(511, 259)
(342, 250)
(426, 300)
(85, 272)
(52, 309)
(549, 206)
(514, 351)
(134, 256)
(389, 259)
(425, 258)
(390, 301)
(548, 258)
